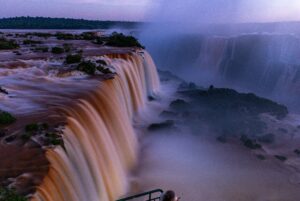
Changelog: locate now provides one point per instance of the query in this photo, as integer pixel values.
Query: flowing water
(101, 146)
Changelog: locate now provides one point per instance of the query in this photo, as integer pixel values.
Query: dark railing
(153, 195)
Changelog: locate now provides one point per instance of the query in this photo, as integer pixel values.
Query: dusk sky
(138, 10)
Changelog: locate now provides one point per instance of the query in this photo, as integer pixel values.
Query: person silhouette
(169, 196)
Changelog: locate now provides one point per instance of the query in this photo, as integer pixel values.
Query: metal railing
(153, 195)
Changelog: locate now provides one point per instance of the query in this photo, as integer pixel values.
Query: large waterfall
(267, 64)
(100, 145)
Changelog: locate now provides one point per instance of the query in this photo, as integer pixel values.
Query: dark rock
(168, 114)
(163, 125)
(281, 158)
(297, 151)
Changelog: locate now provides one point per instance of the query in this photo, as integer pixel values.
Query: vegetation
(103, 69)
(60, 23)
(91, 68)
(57, 50)
(88, 67)
(6, 118)
(120, 40)
(41, 49)
(54, 139)
(51, 135)
(64, 36)
(10, 195)
(227, 111)
(73, 58)
(31, 42)
(101, 62)
(8, 44)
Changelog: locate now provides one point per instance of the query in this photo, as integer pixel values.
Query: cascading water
(100, 145)
(266, 64)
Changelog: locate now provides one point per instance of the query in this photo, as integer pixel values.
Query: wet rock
(281, 158)
(168, 114)
(249, 143)
(160, 126)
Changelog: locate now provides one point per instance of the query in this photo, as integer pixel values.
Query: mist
(247, 45)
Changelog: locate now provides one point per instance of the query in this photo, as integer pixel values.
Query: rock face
(22, 168)
(227, 111)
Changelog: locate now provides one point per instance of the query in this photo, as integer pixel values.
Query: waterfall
(100, 145)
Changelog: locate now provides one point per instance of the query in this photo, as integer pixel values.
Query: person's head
(168, 196)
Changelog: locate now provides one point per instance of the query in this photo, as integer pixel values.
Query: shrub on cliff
(6, 118)
(31, 42)
(10, 195)
(73, 58)
(8, 44)
(64, 36)
(57, 50)
(120, 40)
(88, 67)
(41, 49)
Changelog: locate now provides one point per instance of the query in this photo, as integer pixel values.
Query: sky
(141, 10)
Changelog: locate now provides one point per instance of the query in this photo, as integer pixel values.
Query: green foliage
(10, 195)
(6, 118)
(64, 36)
(8, 44)
(120, 40)
(42, 49)
(54, 139)
(60, 23)
(67, 47)
(88, 67)
(101, 62)
(26, 136)
(227, 111)
(73, 58)
(57, 50)
(32, 127)
(31, 42)
(88, 36)
(103, 69)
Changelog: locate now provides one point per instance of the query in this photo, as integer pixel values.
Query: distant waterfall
(100, 143)
(267, 64)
